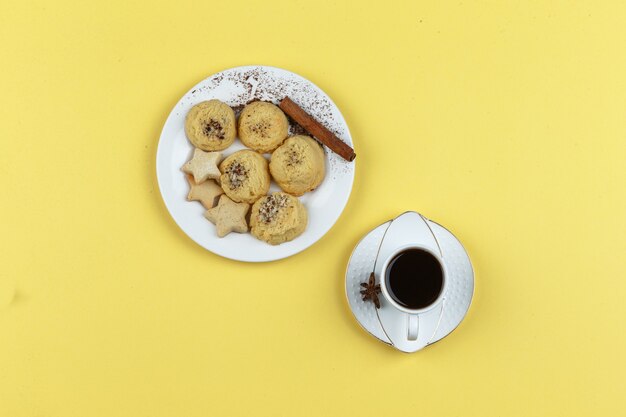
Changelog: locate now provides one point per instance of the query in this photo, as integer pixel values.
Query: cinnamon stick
(316, 129)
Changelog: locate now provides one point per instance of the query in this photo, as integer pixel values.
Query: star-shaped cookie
(203, 165)
(228, 216)
(204, 192)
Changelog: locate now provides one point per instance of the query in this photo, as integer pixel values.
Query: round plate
(238, 86)
(388, 324)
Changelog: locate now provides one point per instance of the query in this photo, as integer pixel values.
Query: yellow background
(504, 121)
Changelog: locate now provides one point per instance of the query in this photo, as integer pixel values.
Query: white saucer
(388, 324)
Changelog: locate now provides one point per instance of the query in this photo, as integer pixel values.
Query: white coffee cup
(412, 314)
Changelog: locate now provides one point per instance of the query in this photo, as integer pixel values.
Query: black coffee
(414, 279)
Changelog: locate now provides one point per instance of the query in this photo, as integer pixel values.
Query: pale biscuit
(203, 165)
(298, 165)
(278, 218)
(228, 216)
(262, 126)
(205, 192)
(245, 176)
(211, 126)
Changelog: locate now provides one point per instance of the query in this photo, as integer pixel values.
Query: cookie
(210, 126)
(278, 218)
(298, 165)
(205, 192)
(245, 176)
(228, 216)
(203, 165)
(262, 126)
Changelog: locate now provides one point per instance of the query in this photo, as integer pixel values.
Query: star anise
(370, 290)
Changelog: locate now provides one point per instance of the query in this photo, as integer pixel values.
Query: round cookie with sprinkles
(278, 218)
(298, 165)
(211, 126)
(262, 126)
(245, 176)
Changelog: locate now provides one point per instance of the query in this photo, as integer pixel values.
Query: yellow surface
(504, 122)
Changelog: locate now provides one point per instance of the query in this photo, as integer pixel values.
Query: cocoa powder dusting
(295, 128)
(214, 128)
(293, 157)
(238, 108)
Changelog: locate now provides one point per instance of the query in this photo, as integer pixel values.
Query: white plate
(237, 86)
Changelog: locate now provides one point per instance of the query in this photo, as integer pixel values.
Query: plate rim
(159, 151)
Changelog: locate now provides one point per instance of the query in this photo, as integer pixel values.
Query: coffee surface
(414, 279)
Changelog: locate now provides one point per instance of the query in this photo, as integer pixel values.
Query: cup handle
(413, 326)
